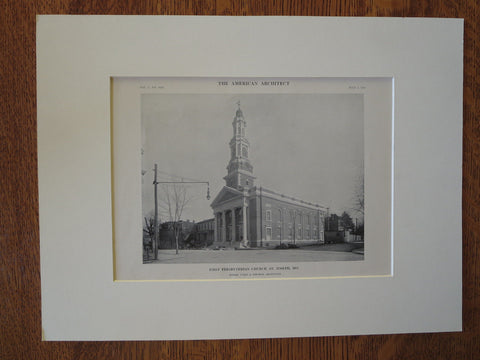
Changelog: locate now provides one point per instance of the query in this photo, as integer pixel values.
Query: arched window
(244, 151)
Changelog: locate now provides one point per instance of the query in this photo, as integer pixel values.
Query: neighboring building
(333, 223)
(336, 231)
(202, 234)
(166, 235)
(271, 218)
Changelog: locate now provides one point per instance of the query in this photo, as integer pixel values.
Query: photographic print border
(377, 105)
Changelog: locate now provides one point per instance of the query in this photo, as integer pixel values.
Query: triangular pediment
(227, 193)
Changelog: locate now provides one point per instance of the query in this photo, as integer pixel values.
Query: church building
(246, 215)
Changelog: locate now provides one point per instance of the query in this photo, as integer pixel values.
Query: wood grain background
(20, 317)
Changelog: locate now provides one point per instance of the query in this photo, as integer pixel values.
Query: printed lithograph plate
(419, 60)
(297, 156)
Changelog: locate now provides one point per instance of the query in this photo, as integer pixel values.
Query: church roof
(284, 197)
(225, 194)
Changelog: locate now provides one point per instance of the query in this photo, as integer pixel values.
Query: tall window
(244, 151)
(279, 212)
(268, 215)
(299, 219)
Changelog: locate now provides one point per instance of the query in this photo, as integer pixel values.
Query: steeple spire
(240, 171)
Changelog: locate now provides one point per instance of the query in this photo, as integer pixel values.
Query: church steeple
(240, 170)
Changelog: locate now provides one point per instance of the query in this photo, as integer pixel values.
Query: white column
(215, 231)
(224, 227)
(244, 214)
(234, 230)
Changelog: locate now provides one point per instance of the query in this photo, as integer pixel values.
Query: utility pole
(155, 237)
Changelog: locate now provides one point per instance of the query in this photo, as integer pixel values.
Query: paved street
(257, 255)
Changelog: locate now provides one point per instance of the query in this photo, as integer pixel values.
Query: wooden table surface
(20, 317)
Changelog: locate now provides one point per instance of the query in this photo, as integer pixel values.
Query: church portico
(230, 226)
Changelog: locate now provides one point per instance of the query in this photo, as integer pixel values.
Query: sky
(309, 146)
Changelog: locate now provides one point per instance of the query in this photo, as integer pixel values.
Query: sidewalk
(343, 247)
(305, 254)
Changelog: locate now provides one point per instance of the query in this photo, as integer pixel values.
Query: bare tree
(173, 202)
(359, 197)
(359, 206)
(149, 232)
(149, 227)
